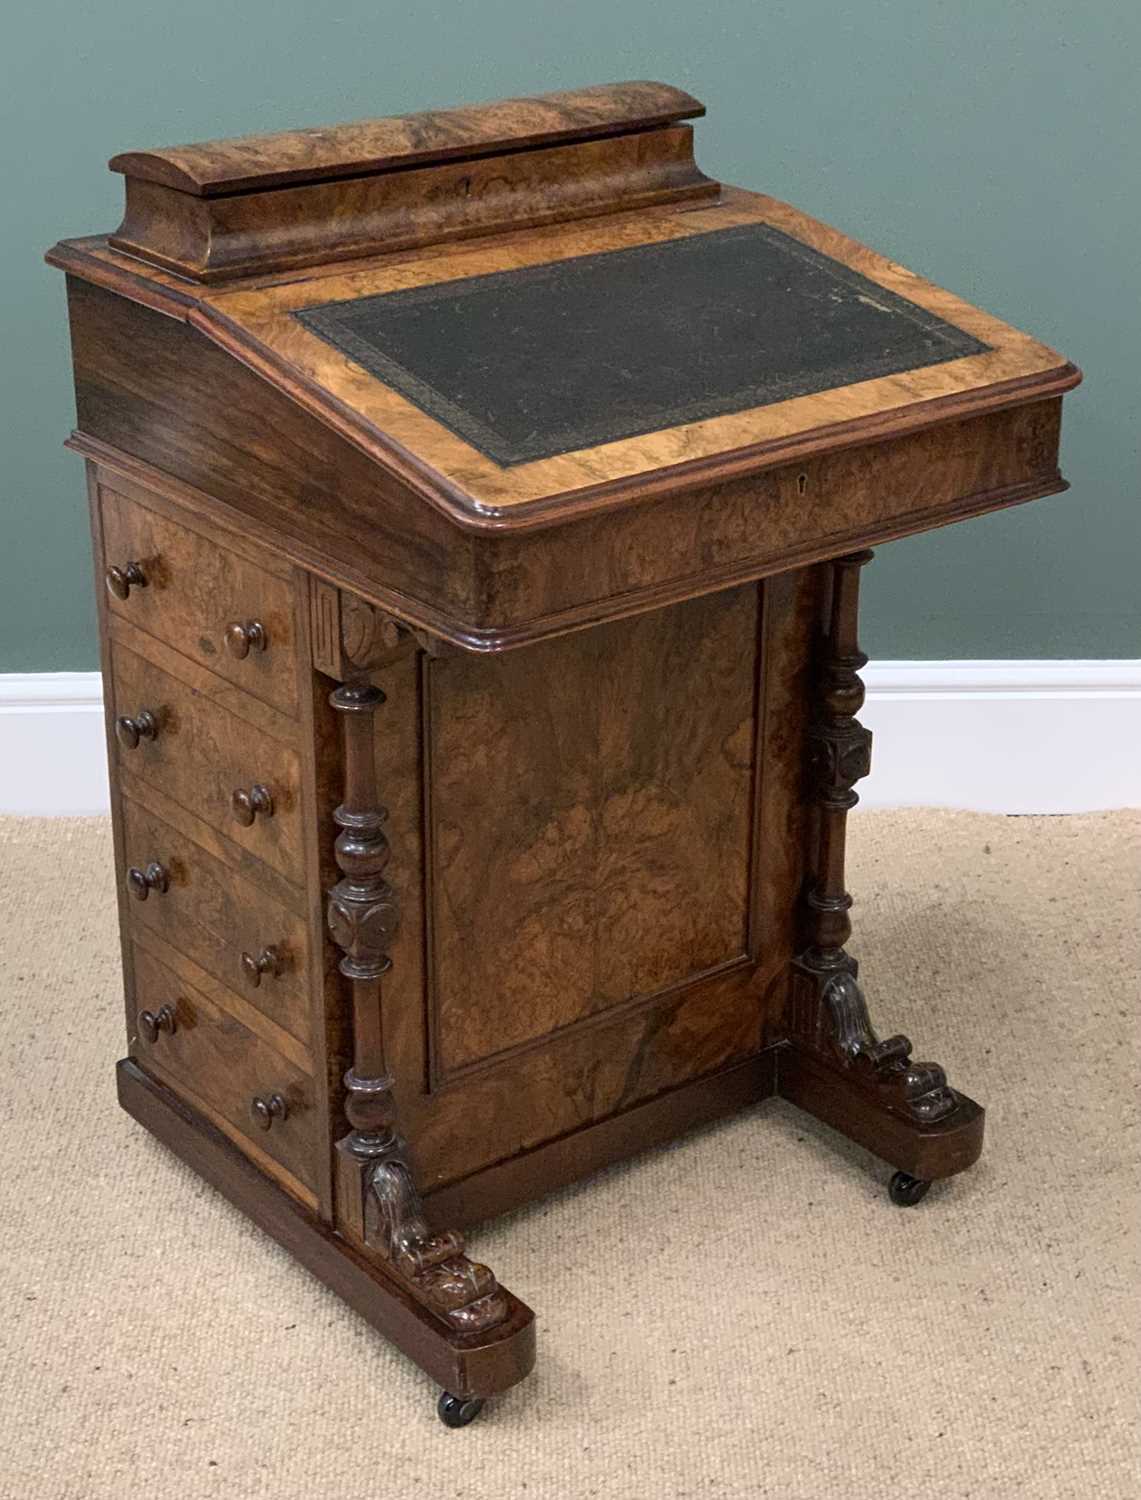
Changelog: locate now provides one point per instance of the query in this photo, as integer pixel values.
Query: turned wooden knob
(120, 581)
(268, 962)
(246, 805)
(263, 1112)
(141, 883)
(151, 1024)
(128, 731)
(244, 636)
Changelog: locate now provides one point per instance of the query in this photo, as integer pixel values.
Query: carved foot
(462, 1292)
(838, 1069)
(918, 1089)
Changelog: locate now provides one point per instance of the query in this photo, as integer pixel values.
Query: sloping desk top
(619, 328)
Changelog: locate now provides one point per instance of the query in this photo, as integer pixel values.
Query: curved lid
(214, 168)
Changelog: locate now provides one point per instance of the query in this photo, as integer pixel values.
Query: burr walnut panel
(240, 234)
(205, 1052)
(220, 921)
(204, 600)
(590, 815)
(242, 781)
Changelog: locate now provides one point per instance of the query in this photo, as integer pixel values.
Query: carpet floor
(742, 1313)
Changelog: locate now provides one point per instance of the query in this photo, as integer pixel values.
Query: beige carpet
(742, 1314)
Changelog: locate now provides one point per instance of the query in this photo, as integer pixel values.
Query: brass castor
(906, 1191)
(458, 1411)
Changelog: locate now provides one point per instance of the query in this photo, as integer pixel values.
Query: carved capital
(351, 635)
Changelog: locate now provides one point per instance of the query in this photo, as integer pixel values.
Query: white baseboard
(1004, 736)
(53, 755)
(996, 736)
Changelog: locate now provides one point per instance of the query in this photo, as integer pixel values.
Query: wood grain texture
(497, 591)
(219, 1060)
(321, 790)
(214, 916)
(353, 150)
(221, 995)
(597, 1063)
(251, 459)
(195, 590)
(204, 753)
(520, 1179)
(255, 324)
(590, 840)
(218, 239)
(477, 489)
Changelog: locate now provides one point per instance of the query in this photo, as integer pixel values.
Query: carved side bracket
(350, 635)
(828, 1012)
(377, 1201)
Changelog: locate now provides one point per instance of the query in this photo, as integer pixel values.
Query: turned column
(363, 919)
(827, 1008)
(840, 755)
(376, 1198)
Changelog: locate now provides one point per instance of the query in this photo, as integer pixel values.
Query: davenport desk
(479, 499)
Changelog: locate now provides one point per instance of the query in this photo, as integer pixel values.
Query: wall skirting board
(996, 736)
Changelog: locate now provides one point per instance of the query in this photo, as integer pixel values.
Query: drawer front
(201, 599)
(228, 926)
(199, 753)
(195, 1045)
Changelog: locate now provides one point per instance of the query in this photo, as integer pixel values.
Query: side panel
(590, 807)
(597, 844)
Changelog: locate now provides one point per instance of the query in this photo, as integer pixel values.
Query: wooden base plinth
(464, 1364)
(841, 1099)
(522, 1179)
(479, 1365)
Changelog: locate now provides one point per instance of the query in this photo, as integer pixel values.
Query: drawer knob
(120, 581)
(128, 731)
(268, 962)
(246, 805)
(244, 636)
(263, 1112)
(151, 1024)
(141, 883)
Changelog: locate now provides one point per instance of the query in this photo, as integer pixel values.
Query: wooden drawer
(195, 591)
(202, 753)
(221, 921)
(208, 1055)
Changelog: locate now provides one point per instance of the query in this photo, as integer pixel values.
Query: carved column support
(377, 1201)
(828, 1009)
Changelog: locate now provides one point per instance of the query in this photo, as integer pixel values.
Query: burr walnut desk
(479, 499)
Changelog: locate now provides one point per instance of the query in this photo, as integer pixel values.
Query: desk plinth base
(466, 1365)
(925, 1152)
(473, 1366)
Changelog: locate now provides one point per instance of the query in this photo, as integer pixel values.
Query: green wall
(994, 145)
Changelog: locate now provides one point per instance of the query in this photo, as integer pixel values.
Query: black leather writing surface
(529, 363)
